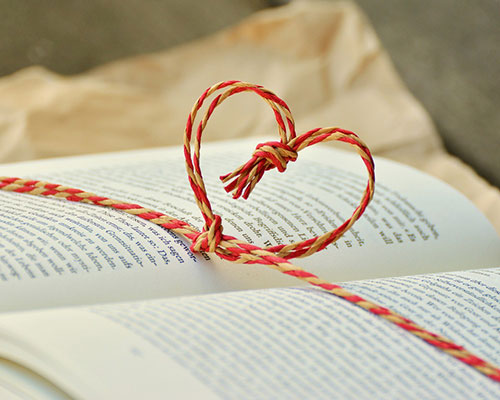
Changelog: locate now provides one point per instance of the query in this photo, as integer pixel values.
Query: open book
(100, 304)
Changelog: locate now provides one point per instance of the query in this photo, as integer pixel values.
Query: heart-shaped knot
(268, 155)
(209, 238)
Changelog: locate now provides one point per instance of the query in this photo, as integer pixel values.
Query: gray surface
(71, 36)
(448, 52)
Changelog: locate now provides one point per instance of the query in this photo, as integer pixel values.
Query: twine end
(266, 156)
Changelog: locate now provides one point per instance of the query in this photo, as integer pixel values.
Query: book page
(65, 253)
(290, 343)
(20, 383)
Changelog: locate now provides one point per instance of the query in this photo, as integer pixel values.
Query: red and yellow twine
(241, 182)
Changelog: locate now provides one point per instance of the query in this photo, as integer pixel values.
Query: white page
(275, 343)
(315, 193)
(18, 382)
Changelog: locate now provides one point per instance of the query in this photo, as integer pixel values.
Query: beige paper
(322, 58)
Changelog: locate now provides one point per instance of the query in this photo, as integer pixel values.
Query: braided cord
(241, 182)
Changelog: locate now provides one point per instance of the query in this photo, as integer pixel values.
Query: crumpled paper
(323, 58)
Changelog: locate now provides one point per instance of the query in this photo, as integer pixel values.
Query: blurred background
(447, 52)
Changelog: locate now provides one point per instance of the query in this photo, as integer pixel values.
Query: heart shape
(266, 156)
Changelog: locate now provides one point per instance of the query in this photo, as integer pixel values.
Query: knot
(266, 156)
(209, 238)
(276, 153)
